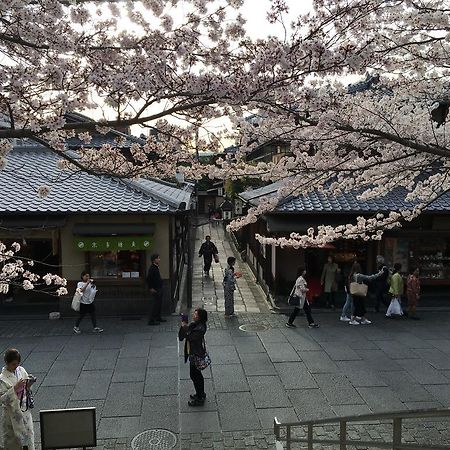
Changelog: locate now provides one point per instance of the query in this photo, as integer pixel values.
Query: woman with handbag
(16, 400)
(193, 335)
(87, 290)
(298, 300)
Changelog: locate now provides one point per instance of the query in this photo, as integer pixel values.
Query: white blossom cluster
(178, 73)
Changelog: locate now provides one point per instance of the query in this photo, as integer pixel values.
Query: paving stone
(439, 360)
(268, 392)
(162, 356)
(108, 341)
(379, 361)
(92, 385)
(422, 371)
(295, 375)
(339, 351)
(360, 375)
(281, 352)
(39, 361)
(101, 359)
(51, 397)
(124, 400)
(231, 411)
(310, 404)
(250, 344)
(186, 389)
(405, 386)
(63, 373)
(396, 350)
(138, 349)
(338, 389)
(160, 412)
(350, 410)
(258, 364)
(319, 362)
(440, 394)
(381, 399)
(229, 378)
(129, 369)
(199, 421)
(267, 415)
(161, 381)
(225, 354)
(118, 427)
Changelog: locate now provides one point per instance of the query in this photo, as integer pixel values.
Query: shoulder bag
(293, 300)
(358, 289)
(76, 300)
(201, 362)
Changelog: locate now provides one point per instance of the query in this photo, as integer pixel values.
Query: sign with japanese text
(112, 243)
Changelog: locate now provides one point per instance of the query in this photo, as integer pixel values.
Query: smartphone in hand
(184, 317)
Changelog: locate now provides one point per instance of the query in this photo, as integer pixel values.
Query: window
(116, 264)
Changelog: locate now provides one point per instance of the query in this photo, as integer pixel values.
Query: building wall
(73, 260)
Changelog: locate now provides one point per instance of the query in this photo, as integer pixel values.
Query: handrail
(396, 417)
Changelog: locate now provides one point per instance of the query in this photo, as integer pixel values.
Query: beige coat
(328, 278)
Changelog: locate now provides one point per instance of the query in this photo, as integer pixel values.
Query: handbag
(29, 399)
(216, 258)
(201, 362)
(76, 300)
(358, 289)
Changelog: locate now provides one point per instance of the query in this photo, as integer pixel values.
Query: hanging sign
(112, 243)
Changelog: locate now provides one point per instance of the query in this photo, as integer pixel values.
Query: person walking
(360, 311)
(229, 286)
(87, 288)
(193, 335)
(347, 314)
(208, 250)
(381, 286)
(299, 291)
(155, 286)
(17, 422)
(396, 291)
(413, 293)
(328, 281)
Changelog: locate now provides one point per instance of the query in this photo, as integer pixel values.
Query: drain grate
(155, 439)
(249, 327)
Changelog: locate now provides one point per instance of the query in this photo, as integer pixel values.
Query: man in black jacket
(155, 285)
(207, 250)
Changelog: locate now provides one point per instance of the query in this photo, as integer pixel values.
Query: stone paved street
(135, 376)
(137, 380)
(208, 291)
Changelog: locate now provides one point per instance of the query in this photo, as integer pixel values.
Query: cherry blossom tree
(175, 66)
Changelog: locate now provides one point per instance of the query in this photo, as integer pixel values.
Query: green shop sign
(112, 243)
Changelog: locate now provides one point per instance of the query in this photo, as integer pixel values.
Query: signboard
(112, 243)
(68, 428)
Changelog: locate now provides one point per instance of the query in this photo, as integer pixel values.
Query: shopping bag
(76, 300)
(394, 309)
(358, 289)
(92, 294)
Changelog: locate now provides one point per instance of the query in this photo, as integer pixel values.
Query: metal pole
(288, 438)
(310, 437)
(343, 435)
(397, 434)
(190, 267)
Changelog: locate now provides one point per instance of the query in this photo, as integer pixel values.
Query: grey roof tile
(29, 168)
(345, 203)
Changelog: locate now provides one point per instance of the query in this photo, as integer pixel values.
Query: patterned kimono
(17, 426)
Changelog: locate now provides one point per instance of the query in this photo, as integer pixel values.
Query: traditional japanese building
(105, 225)
(423, 243)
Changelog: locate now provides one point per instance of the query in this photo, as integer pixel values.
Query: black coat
(208, 249)
(154, 280)
(194, 339)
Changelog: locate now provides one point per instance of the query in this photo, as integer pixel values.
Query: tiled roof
(318, 202)
(29, 168)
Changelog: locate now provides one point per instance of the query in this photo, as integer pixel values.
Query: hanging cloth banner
(112, 243)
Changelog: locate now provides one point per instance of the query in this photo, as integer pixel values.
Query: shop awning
(113, 229)
(112, 243)
(18, 221)
(294, 223)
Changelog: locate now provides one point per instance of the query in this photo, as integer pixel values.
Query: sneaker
(98, 330)
(344, 319)
(313, 325)
(358, 318)
(76, 330)
(353, 322)
(365, 322)
(290, 325)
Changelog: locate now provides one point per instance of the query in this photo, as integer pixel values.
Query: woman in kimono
(229, 286)
(17, 423)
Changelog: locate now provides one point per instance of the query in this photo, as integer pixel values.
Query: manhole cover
(253, 327)
(154, 439)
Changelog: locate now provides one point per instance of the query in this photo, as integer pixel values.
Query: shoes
(196, 402)
(365, 322)
(161, 320)
(195, 397)
(353, 322)
(358, 318)
(313, 325)
(344, 319)
(153, 322)
(98, 330)
(290, 325)
(76, 330)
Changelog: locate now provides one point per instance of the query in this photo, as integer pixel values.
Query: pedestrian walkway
(207, 292)
(136, 377)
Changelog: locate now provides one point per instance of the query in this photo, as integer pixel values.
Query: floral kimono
(17, 426)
